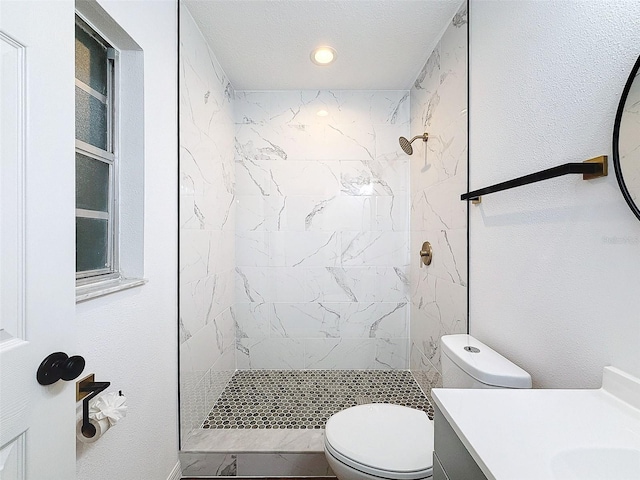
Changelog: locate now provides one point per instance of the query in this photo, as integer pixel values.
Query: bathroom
(551, 282)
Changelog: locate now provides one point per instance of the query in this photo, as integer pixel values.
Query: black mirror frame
(616, 137)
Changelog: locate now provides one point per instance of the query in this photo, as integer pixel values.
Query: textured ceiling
(265, 44)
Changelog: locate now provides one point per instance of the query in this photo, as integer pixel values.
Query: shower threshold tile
(255, 441)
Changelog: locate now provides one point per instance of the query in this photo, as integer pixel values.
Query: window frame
(109, 157)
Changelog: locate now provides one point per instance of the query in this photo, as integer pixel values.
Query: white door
(37, 239)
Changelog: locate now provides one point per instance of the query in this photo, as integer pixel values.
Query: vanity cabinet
(451, 460)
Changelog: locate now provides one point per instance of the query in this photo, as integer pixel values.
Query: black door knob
(58, 366)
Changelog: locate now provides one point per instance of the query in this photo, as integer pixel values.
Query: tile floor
(305, 399)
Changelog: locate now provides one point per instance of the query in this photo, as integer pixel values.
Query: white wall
(438, 177)
(322, 237)
(207, 227)
(554, 265)
(129, 338)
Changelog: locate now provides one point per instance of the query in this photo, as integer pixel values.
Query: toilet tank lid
(485, 365)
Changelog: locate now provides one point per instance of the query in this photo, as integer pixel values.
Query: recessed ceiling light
(322, 113)
(323, 56)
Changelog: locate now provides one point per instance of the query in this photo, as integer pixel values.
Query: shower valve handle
(426, 254)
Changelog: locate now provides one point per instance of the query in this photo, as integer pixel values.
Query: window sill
(99, 289)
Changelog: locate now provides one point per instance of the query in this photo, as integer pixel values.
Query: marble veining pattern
(207, 217)
(438, 293)
(273, 464)
(294, 228)
(255, 452)
(322, 229)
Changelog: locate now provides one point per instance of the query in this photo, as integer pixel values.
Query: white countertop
(550, 434)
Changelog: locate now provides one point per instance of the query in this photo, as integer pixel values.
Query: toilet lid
(384, 437)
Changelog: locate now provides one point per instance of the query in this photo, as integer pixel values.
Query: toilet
(384, 441)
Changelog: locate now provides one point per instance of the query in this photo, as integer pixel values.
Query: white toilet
(384, 441)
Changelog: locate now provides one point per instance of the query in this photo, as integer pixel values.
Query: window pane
(91, 120)
(91, 61)
(91, 244)
(92, 184)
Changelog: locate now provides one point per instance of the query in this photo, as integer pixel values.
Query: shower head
(406, 144)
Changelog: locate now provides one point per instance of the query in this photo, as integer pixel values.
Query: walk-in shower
(299, 292)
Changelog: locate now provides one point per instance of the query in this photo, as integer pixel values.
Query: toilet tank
(469, 363)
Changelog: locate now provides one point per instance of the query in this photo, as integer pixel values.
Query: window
(96, 157)
(110, 157)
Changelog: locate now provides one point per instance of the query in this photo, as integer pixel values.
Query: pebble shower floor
(307, 398)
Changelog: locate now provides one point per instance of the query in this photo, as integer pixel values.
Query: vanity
(451, 458)
(508, 434)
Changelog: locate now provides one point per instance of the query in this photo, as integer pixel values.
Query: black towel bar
(593, 168)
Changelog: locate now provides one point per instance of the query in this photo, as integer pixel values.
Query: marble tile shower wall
(207, 226)
(438, 177)
(322, 230)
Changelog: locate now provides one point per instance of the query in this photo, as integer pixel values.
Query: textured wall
(129, 337)
(207, 226)
(554, 265)
(438, 177)
(322, 229)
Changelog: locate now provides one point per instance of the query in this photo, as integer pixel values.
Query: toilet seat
(384, 440)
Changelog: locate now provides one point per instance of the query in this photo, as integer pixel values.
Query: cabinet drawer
(438, 471)
(455, 459)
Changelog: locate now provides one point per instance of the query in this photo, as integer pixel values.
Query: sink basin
(596, 463)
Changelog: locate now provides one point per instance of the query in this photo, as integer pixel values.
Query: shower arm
(424, 137)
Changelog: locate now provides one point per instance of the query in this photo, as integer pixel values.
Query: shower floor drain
(307, 398)
(362, 400)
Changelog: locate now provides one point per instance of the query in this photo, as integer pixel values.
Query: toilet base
(345, 472)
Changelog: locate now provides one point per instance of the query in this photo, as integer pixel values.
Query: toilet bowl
(380, 440)
(384, 441)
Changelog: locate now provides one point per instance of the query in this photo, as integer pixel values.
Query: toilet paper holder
(87, 389)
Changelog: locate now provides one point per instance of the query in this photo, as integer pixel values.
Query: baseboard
(176, 473)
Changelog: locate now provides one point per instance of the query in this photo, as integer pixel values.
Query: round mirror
(626, 141)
